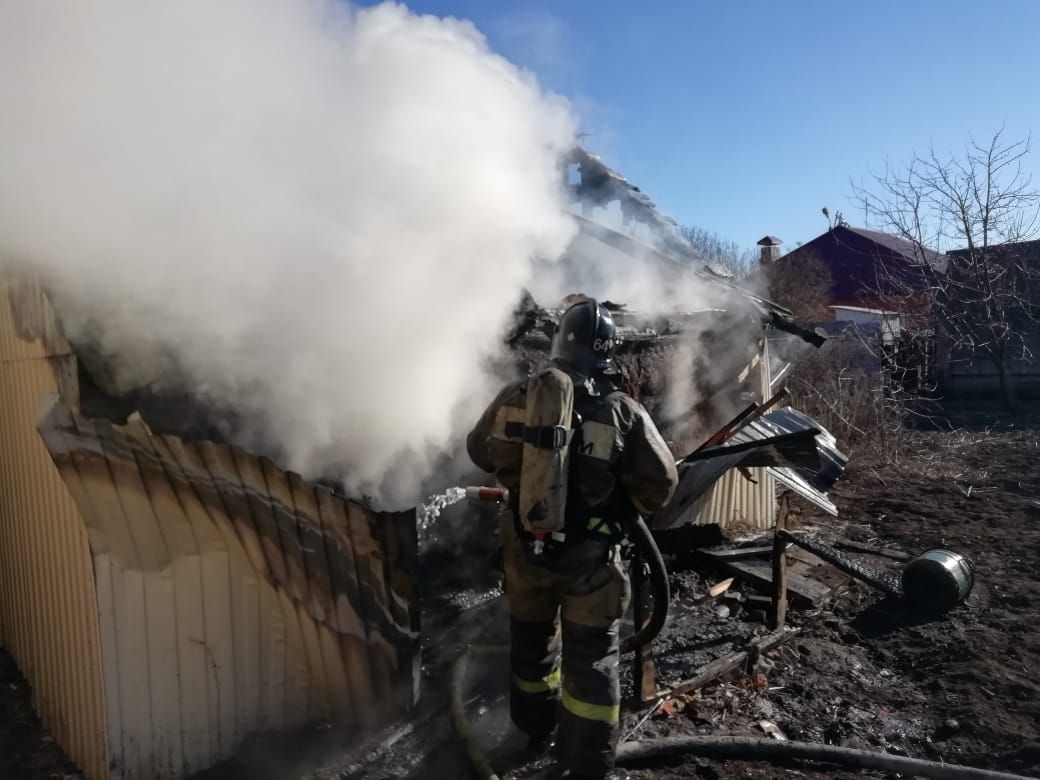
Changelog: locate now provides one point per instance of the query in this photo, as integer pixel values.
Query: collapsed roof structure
(719, 350)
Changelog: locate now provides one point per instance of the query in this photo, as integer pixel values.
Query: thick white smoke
(323, 214)
(713, 328)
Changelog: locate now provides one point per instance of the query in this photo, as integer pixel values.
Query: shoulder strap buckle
(545, 437)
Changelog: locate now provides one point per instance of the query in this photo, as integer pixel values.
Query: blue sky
(747, 117)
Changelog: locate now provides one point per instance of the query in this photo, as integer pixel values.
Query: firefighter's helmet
(585, 338)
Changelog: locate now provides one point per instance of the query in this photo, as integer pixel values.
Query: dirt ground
(870, 672)
(27, 751)
(866, 670)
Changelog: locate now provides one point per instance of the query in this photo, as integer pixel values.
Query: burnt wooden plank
(730, 663)
(779, 611)
(739, 553)
(871, 549)
(802, 590)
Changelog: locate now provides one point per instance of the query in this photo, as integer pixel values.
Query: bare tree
(980, 295)
(723, 254)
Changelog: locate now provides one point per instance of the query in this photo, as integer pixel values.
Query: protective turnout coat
(621, 466)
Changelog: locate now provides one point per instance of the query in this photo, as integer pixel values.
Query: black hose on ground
(644, 541)
(458, 709)
(755, 749)
(733, 748)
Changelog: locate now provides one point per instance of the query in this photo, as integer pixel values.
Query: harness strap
(545, 437)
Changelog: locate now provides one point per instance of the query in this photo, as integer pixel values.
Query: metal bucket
(938, 579)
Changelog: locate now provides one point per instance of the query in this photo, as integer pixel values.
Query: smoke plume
(318, 215)
(710, 337)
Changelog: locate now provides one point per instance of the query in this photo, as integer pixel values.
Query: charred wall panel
(223, 613)
(30, 328)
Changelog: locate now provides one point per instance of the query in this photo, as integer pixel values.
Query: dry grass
(843, 387)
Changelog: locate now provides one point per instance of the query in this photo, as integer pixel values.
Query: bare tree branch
(711, 248)
(976, 207)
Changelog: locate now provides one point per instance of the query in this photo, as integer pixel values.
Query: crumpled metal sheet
(797, 451)
(832, 461)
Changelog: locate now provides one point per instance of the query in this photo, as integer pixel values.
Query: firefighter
(573, 593)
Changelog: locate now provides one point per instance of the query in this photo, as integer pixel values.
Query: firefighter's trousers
(586, 594)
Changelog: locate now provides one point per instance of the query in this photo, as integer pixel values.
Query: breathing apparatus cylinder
(542, 502)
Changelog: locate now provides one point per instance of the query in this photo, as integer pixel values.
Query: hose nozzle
(498, 495)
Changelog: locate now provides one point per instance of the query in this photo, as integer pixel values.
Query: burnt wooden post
(644, 672)
(779, 615)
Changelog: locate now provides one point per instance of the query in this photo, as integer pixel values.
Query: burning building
(169, 593)
(241, 298)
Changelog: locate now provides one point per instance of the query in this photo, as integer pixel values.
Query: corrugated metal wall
(735, 501)
(48, 613)
(233, 596)
(167, 599)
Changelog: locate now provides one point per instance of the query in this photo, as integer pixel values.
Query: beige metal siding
(735, 500)
(48, 613)
(234, 597)
(166, 599)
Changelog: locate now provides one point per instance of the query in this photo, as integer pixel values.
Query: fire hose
(643, 539)
(763, 749)
(721, 747)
